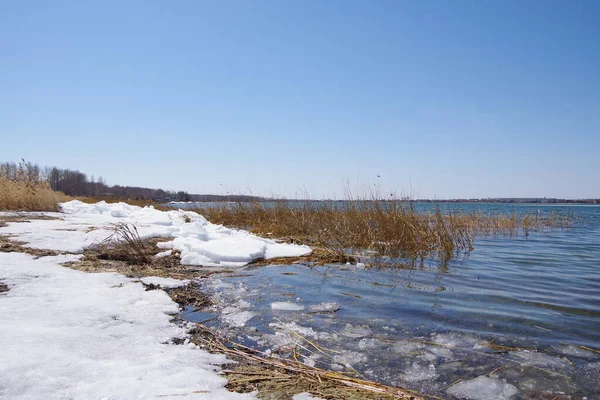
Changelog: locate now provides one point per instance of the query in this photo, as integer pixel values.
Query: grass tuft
(125, 244)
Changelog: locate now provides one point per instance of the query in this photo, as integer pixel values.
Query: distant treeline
(75, 183)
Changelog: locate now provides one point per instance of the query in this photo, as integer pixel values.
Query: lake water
(434, 328)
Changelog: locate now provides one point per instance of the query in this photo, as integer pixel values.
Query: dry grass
(125, 244)
(281, 378)
(383, 230)
(26, 195)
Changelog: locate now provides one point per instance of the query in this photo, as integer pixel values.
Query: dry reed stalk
(385, 228)
(125, 244)
(271, 368)
(25, 192)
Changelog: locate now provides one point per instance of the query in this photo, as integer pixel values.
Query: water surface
(426, 328)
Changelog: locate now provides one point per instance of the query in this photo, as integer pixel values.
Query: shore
(113, 334)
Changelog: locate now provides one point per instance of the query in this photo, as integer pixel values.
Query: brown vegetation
(390, 229)
(22, 191)
(280, 378)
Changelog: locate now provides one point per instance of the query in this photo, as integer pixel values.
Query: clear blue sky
(440, 99)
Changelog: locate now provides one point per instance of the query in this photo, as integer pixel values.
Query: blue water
(540, 292)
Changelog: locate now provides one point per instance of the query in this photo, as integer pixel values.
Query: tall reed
(384, 228)
(25, 191)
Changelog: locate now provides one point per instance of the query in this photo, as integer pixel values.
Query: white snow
(165, 253)
(305, 396)
(483, 388)
(165, 283)
(286, 306)
(68, 334)
(199, 242)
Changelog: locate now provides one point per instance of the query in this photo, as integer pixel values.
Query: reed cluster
(383, 228)
(24, 191)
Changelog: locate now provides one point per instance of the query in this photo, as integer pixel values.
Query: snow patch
(69, 334)
(165, 283)
(305, 396)
(199, 242)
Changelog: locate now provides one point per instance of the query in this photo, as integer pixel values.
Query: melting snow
(305, 396)
(74, 335)
(165, 283)
(199, 242)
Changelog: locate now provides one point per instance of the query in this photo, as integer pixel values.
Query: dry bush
(125, 244)
(25, 192)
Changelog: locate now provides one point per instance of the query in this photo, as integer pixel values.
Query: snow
(165, 253)
(483, 388)
(68, 334)
(286, 306)
(165, 283)
(199, 242)
(305, 396)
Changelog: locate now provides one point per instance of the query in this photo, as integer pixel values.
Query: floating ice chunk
(165, 283)
(528, 357)
(418, 372)
(483, 388)
(571, 350)
(459, 340)
(325, 307)
(286, 306)
(237, 319)
(355, 331)
(349, 358)
(368, 344)
(406, 347)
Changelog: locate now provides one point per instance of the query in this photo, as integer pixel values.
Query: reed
(390, 229)
(26, 192)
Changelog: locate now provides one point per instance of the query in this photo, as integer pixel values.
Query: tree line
(75, 183)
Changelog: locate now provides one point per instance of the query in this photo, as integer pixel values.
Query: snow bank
(68, 334)
(199, 242)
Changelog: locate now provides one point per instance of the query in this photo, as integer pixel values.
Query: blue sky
(439, 99)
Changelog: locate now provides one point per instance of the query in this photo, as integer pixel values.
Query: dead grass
(26, 196)
(11, 246)
(388, 229)
(279, 378)
(125, 244)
